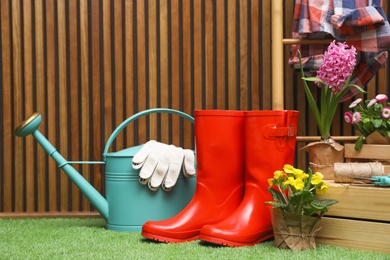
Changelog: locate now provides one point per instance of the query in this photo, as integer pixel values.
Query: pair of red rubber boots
(236, 153)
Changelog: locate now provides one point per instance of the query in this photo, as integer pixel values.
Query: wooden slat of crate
(354, 234)
(359, 202)
(361, 219)
(368, 151)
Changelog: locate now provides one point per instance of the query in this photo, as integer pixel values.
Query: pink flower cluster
(338, 65)
(354, 118)
(372, 116)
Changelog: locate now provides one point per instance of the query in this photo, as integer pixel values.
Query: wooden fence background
(86, 65)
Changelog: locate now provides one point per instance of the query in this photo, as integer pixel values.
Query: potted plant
(333, 78)
(296, 211)
(372, 120)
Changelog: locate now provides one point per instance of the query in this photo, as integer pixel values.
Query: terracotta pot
(323, 155)
(293, 231)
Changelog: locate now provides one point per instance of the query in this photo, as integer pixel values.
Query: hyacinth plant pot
(293, 231)
(323, 155)
(333, 78)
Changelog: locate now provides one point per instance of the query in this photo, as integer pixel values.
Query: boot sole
(167, 240)
(224, 242)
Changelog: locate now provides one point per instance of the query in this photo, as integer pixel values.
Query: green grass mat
(88, 239)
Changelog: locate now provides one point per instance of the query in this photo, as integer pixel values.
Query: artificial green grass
(79, 238)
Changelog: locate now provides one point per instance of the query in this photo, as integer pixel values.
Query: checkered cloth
(361, 23)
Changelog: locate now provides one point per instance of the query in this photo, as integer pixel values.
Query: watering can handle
(143, 113)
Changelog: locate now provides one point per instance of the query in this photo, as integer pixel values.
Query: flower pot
(323, 155)
(293, 231)
(377, 138)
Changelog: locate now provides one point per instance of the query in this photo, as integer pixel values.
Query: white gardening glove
(161, 164)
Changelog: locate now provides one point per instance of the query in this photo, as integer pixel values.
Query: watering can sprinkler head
(28, 126)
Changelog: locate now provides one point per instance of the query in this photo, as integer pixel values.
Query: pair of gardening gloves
(161, 164)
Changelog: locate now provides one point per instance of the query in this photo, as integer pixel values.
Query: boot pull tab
(272, 131)
(281, 134)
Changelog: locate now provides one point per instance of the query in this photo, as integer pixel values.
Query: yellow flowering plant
(294, 190)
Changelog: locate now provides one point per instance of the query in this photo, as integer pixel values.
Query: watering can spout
(30, 126)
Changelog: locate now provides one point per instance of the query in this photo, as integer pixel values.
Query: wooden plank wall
(86, 65)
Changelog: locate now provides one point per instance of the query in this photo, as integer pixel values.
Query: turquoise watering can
(128, 204)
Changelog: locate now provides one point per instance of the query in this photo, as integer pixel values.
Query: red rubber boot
(220, 178)
(270, 138)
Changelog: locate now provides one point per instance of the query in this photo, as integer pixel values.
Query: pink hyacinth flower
(348, 117)
(355, 103)
(381, 97)
(356, 117)
(386, 112)
(371, 103)
(337, 66)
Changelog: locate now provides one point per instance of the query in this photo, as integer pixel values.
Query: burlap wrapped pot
(323, 155)
(293, 231)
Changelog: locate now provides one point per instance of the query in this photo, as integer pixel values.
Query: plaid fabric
(360, 23)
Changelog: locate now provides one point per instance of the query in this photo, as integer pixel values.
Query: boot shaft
(238, 137)
(244, 141)
(270, 141)
(220, 149)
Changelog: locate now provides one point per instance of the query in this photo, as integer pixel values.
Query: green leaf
(300, 196)
(377, 123)
(311, 209)
(276, 195)
(318, 205)
(313, 79)
(324, 203)
(308, 180)
(309, 96)
(299, 199)
(358, 87)
(359, 143)
(275, 204)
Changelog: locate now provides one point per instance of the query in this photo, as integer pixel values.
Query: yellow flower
(299, 174)
(322, 189)
(288, 168)
(298, 184)
(295, 193)
(279, 175)
(316, 178)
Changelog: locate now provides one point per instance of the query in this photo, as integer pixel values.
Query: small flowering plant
(333, 78)
(294, 190)
(373, 115)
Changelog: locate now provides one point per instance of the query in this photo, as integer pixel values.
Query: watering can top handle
(144, 113)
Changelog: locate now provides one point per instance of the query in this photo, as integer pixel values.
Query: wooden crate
(377, 155)
(361, 219)
(369, 152)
